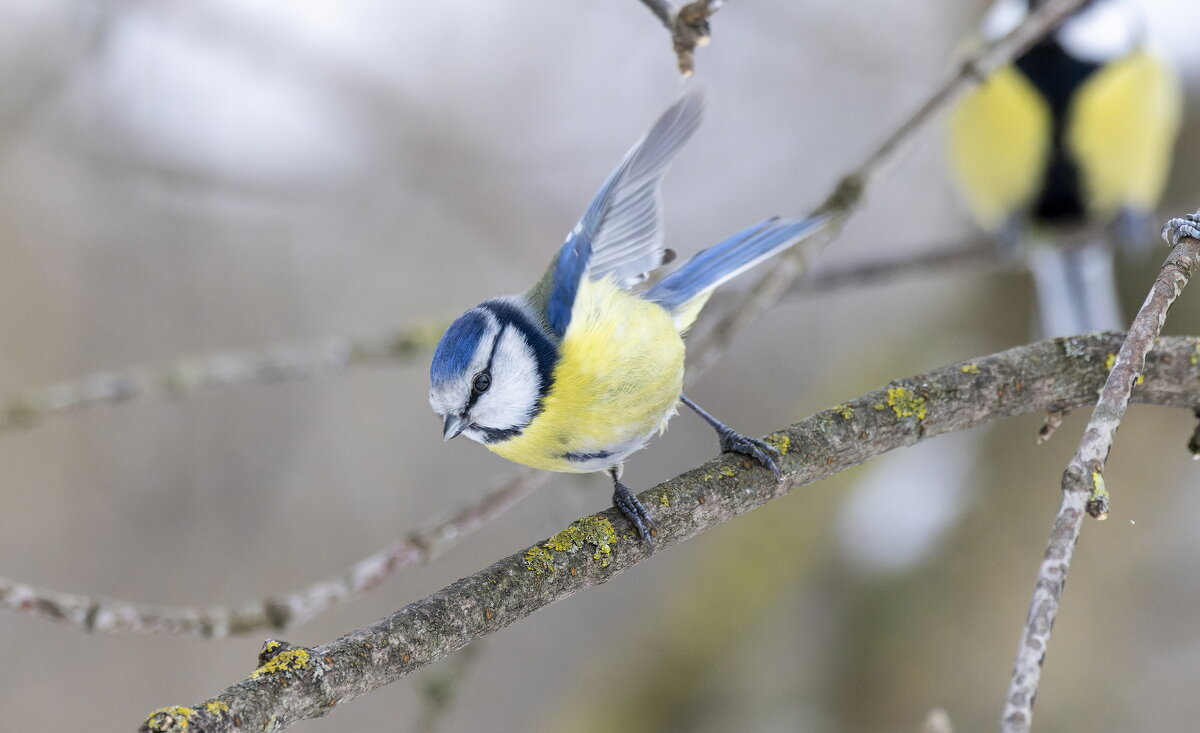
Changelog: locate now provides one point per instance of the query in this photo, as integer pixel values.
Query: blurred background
(179, 177)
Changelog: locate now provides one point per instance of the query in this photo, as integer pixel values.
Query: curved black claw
(633, 509)
(759, 450)
(1185, 226)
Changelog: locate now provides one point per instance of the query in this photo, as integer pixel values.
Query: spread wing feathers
(685, 291)
(621, 233)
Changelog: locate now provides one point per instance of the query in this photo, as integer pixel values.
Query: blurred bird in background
(1066, 151)
(580, 371)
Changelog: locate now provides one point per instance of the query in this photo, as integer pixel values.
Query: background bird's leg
(1134, 232)
(633, 509)
(1076, 287)
(733, 442)
(1008, 243)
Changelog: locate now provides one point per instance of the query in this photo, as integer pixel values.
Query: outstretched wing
(685, 291)
(621, 233)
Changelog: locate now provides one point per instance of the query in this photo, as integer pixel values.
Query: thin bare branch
(959, 256)
(293, 683)
(275, 613)
(1083, 482)
(847, 195)
(215, 371)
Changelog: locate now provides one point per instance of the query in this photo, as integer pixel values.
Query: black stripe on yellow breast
(1058, 77)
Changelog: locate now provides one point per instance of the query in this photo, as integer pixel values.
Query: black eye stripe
(486, 372)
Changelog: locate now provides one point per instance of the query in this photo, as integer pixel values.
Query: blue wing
(621, 233)
(728, 259)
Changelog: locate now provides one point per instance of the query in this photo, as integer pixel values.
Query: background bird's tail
(685, 291)
(1076, 290)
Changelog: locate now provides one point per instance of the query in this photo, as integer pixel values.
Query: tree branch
(1083, 481)
(688, 25)
(216, 371)
(296, 683)
(274, 613)
(890, 269)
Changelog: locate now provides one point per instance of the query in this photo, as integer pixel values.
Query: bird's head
(488, 374)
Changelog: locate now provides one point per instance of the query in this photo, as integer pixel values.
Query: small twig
(215, 371)
(846, 196)
(276, 613)
(892, 269)
(1054, 420)
(1083, 481)
(688, 25)
(305, 682)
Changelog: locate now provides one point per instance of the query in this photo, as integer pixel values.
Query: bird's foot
(759, 450)
(1178, 228)
(633, 509)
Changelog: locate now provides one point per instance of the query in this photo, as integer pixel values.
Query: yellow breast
(1122, 130)
(617, 382)
(999, 139)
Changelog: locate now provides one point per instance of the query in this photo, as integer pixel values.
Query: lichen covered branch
(276, 613)
(1083, 481)
(298, 683)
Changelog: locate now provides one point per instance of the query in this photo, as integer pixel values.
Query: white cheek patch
(1105, 30)
(1002, 18)
(516, 384)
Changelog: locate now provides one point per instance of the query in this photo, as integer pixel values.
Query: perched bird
(579, 371)
(1066, 149)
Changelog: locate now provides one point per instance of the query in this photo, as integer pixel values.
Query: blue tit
(578, 372)
(1067, 148)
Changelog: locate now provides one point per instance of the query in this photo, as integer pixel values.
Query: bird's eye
(483, 380)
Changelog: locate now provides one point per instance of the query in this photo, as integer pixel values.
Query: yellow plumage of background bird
(1072, 139)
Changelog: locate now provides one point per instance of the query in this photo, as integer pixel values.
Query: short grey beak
(454, 425)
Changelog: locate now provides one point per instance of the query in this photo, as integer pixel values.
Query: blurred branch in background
(217, 371)
(954, 257)
(300, 683)
(275, 613)
(1083, 481)
(847, 195)
(688, 25)
(440, 692)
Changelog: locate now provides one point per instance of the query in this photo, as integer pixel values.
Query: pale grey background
(179, 177)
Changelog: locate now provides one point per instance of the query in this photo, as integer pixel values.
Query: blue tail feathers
(730, 258)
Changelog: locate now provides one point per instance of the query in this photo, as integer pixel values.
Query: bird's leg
(732, 442)
(633, 509)
(1186, 226)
